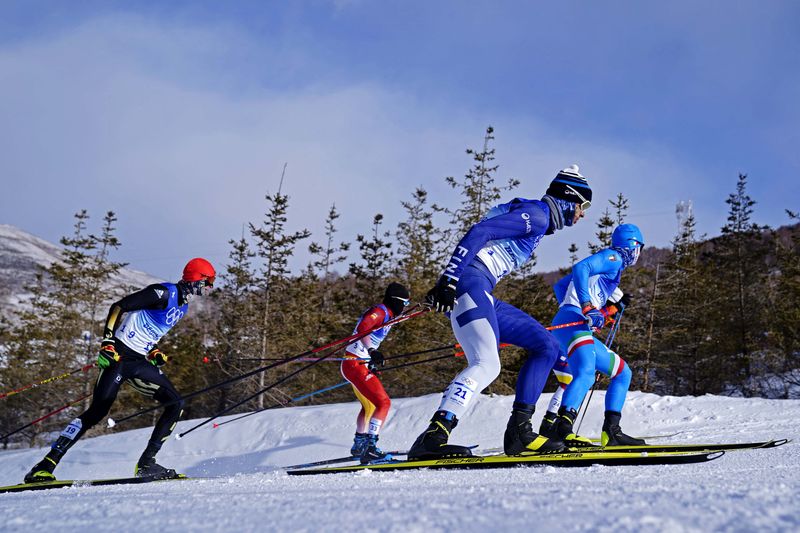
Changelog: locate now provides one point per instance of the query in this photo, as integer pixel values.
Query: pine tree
(275, 246)
(605, 227)
(573, 253)
(321, 280)
(60, 329)
(375, 253)
(620, 205)
(740, 256)
(477, 190)
(784, 323)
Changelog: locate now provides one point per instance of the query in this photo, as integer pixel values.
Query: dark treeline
(708, 316)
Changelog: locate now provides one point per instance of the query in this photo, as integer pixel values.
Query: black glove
(376, 360)
(624, 302)
(443, 296)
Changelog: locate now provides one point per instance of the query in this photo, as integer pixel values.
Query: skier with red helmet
(129, 353)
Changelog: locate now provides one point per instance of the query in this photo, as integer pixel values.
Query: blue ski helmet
(627, 239)
(627, 236)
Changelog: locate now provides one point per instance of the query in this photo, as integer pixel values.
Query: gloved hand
(593, 316)
(609, 312)
(376, 360)
(108, 355)
(623, 302)
(443, 296)
(157, 358)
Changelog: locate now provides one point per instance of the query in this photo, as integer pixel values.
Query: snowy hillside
(22, 253)
(742, 491)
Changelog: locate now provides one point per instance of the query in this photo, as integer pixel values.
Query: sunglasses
(585, 204)
(210, 281)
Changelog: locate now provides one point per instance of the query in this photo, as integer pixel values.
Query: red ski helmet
(199, 269)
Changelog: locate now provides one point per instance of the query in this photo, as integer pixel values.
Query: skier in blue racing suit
(591, 292)
(129, 353)
(502, 242)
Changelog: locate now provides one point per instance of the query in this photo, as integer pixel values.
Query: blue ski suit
(502, 242)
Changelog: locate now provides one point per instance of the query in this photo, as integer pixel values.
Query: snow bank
(741, 491)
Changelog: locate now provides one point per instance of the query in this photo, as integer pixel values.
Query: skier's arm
(371, 320)
(151, 297)
(560, 288)
(522, 222)
(598, 263)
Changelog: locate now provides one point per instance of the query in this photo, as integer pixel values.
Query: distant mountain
(21, 256)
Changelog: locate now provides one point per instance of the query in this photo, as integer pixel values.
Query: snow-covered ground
(743, 491)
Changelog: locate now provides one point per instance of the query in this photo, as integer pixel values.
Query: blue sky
(179, 116)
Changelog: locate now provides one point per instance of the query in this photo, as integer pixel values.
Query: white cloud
(124, 114)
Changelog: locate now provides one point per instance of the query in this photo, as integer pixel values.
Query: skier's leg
(105, 392)
(564, 377)
(520, 329)
(354, 370)
(372, 395)
(150, 381)
(612, 365)
(474, 323)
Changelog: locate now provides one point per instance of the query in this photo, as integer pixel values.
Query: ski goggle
(405, 301)
(585, 204)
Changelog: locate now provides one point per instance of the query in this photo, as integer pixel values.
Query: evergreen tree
(620, 205)
(740, 259)
(329, 297)
(784, 323)
(275, 246)
(478, 191)
(375, 266)
(605, 227)
(573, 253)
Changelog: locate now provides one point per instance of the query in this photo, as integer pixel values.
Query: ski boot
(432, 444)
(154, 470)
(42, 471)
(612, 434)
(359, 443)
(147, 466)
(520, 439)
(566, 418)
(371, 452)
(548, 425)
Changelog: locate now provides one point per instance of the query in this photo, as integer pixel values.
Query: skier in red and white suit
(360, 369)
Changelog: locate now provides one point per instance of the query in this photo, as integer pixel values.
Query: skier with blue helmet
(591, 292)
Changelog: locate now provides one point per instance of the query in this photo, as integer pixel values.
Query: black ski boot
(549, 425)
(520, 438)
(154, 470)
(43, 470)
(612, 434)
(371, 452)
(359, 442)
(432, 444)
(147, 466)
(566, 418)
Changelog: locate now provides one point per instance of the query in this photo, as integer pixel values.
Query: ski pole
(292, 400)
(397, 320)
(333, 344)
(609, 341)
(48, 415)
(332, 387)
(46, 381)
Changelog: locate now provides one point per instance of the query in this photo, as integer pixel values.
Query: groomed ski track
(742, 491)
